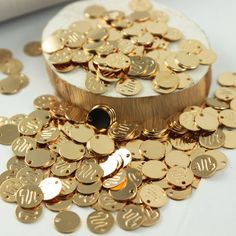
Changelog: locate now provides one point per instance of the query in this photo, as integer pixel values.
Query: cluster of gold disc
(64, 155)
(120, 49)
(12, 68)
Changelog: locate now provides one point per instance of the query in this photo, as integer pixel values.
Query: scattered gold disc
(62, 205)
(133, 146)
(207, 121)
(30, 125)
(179, 194)
(118, 60)
(230, 139)
(94, 11)
(227, 79)
(213, 141)
(66, 222)
(82, 200)
(151, 216)
(38, 157)
(130, 217)
(153, 195)
(29, 196)
(220, 157)
(100, 222)
(30, 176)
(177, 158)
(28, 215)
(72, 151)
(8, 133)
(186, 60)
(116, 180)
(204, 166)
(53, 43)
(129, 87)
(12, 66)
(152, 149)
(10, 86)
(154, 169)
(180, 176)
(33, 49)
(45, 102)
(101, 144)
(228, 118)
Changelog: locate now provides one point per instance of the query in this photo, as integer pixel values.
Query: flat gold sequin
(66, 222)
(152, 149)
(100, 222)
(33, 49)
(154, 169)
(8, 133)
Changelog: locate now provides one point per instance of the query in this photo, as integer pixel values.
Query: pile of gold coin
(62, 157)
(12, 68)
(120, 49)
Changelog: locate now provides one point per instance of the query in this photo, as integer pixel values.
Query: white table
(211, 209)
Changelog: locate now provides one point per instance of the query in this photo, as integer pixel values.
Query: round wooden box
(147, 104)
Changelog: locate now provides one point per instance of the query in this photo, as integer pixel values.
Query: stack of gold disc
(120, 49)
(61, 158)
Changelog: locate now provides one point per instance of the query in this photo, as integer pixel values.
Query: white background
(212, 208)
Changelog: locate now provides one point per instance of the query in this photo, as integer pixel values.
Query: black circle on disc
(99, 118)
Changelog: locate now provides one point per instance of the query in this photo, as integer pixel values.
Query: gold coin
(204, 166)
(220, 157)
(33, 49)
(72, 151)
(129, 87)
(228, 118)
(133, 146)
(107, 203)
(15, 164)
(139, 16)
(101, 144)
(151, 216)
(173, 34)
(163, 183)
(69, 185)
(61, 57)
(37, 157)
(145, 39)
(30, 125)
(158, 15)
(182, 145)
(59, 206)
(85, 200)
(51, 188)
(5, 55)
(191, 46)
(233, 104)
(89, 188)
(153, 195)
(8, 174)
(197, 152)
(81, 56)
(207, 121)
(227, 79)
(53, 43)
(82, 133)
(29, 196)
(126, 193)
(180, 176)
(140, 5)
(94, 11)
(179, 194)
(207, 57)
(9, 188)
(115, 180)
(225, 93)
(125, 46)
(8, 133)
(89, 173)
(137, 66)
(9, 86)
(28, 215)
(100, 222)
(22, 145)
(217, 104)
(172, 63)
(75, 39)
(45, 102)
(47, 135)
(63, 168)
(230, 139)
(187, 61)
(152, 149)
(95, 85)
(196, 182)
(118, 60)
(15, 120)
(154, 169)
(130, 217)
(213, 141)
(177, 158)
(81, 26)
(185, 80)
(157, 28)
(66, 222)
(30, 176)
(134, 175)
(12, 66)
